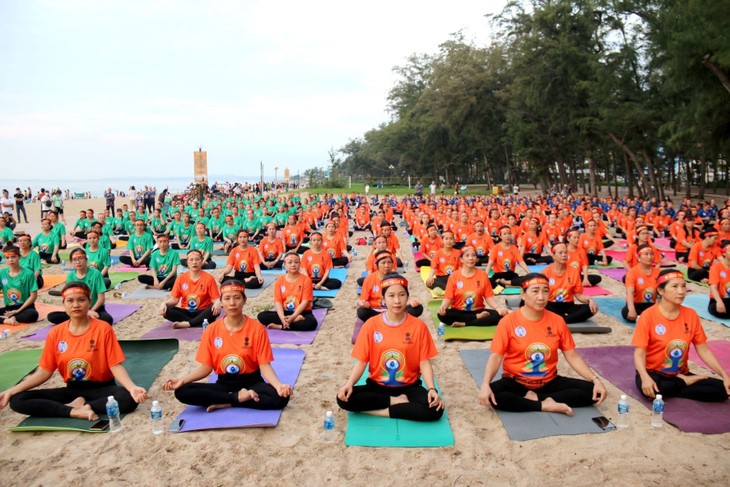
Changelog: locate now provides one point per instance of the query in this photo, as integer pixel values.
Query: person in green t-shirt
(98, 258)
(140, 246)
(215, 225)
(204, 244)
(30, 259)
(164, 263)
(58, 228)
(92, 278)
(229, 234)
(184, 233)
(157, 223)
(6, 234)
(47, 243)
(19, 288)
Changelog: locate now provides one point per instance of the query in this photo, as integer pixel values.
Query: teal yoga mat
(699, 303)
(532, 425)
(374, 431)
(17, 364)
(338, 273)
(145, 360)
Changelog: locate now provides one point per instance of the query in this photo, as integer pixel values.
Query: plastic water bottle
(156, 416)
(440, 331)
(118, 286)
(405, 266)
(354, 253)
(657, 412)
(329, 427)
(623, 412)
(112, 410)
(205, 323)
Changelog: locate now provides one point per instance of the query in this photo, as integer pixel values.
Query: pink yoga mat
(118, 312)
(616, 364)
(616, 273)
(617, 254)
(290, 337)
(596, 291)
(721, 349)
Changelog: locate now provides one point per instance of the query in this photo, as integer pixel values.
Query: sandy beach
(293, 453)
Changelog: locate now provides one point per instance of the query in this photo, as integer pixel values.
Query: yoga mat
(16, 364)
(166, 330)
(418, 255)
(291, 337)
(537, 267)
(617, 274)
(52, 280)
(287, 364)
(596, 291)
(356, 331)
(616, 364)
(118, 277)
(721, 350)
(662, 243)
(507, 291)
(340, 274)
(612, 265)
(480, 333)
(116, 310)
(142, 293)
(13, 328)
(44, 309)
(532, 425)
(617, 254)
(268, 281)
(128, 268)
(145, 360)
(686, 278)
(612, 307)
(699, 303)
(424, 272)
(368, 430)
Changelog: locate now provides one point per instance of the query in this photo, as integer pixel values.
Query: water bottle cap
(155, 403)
(328, 414)
(659, 396)
(623, 397)
(110, 398)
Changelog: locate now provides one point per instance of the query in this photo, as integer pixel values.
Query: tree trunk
(715, 69)
(688, 165)
(652, 172)
(629, 179)
(592, 170)
(643, 187)
(703, 173)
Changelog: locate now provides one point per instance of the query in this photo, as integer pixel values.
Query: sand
(292, 453)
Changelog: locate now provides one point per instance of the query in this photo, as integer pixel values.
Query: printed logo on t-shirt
(14, 295)
(660, 329)
(723, 274)
(290, 304)
(392, 364)
(536, 355)
(79, 370)
(459, 285)
(62, 346)
(520, 331)
(185, 286)
(192, 301)
(377, 337)
(640, 280)
(218, 342)
(675, 352)
(469, 300)
(232, 364)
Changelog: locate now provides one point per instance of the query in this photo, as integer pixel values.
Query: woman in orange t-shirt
(430, 244)
(467, 292)
(632, 253)
(243, 260)
(504, 259)
(293, 298)
(532, 242)
(86, 353)
(397, 349)
(271, 248)
(662, 338)
(720, 284)
(641, 284)
(333, 243)
(371, 302)
(526, 345)
(701, 257)
(237, 349)
(444, 262)
(565, 288)
(198, 292)
(317, 264)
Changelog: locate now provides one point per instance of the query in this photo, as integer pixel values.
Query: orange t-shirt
(530, 348)
(533, 244)
(468, 293)
(316, 264)
(240, 353)
(371, 291)
(195, 295)
(394, 353)
(667, 341)
(554, 234)
(644, 286)
(243, 260)
(632, 255)
(703, 257)
(504, 259)
(591, 245)
(444, 264)
(85, 357)
(720, 277)
(429, 247)
(271, 250)
(292, 235)
(563, 288)
(462, 231)
(291, 294)
(481, 244)
(334, 245)
(577, 259)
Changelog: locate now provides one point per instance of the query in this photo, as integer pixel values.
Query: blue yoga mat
(699, 303)
(612, 307)
(340, 274)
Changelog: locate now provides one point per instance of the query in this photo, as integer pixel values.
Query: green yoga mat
(145, 360)
(120, 277)
(15, 365)
(465, 332)
(368, 430)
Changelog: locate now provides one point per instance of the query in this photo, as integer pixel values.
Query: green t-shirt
(184, 234)
(99, 259)
(216, 224)
(16, 290)
(60, 230)
(205, 246)
(158, 225)
(31, 261)
(139, 244)
(46, 243)
(6, 235)
(251, 225)
(231, 231)
(92, 279)
(163, 264)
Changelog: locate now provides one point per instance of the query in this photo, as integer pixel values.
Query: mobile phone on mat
(176, 425)
(100, 425)
(604, 423)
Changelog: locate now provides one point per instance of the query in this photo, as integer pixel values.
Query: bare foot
(274, 326)
(299, 318)
(458, 324)
(549, 405)
(402, 399)
(532, 396)
(181, 324)
(149, 286)
(84, 412)
(483, 314)
(11, 321)
(691, 379)
(214, 407)
(247, 395)
(77, 403)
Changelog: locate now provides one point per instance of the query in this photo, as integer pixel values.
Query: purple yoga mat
(290, 337)
(721, 350)
(617, 273)
(616, 364)
(118, 312)
(356, 332)
(287, 364)
(166, 330)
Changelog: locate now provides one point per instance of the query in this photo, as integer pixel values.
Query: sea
(97, 187)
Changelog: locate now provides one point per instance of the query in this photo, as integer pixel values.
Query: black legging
(706, 390)
(571, 312)
(207, 265)
(47, 256)
(249, 279)
(509, 276)
(372, 397)
(225, 391)
(537, 258)
(366, 313)
(639, 307)
(592, 258)
(470, 317)
(39, 281)
(712, 308)
(439, 281)
(698, 274)
(510, 394)
(425, 262)
(51, 403)
(330, 283)
(28, 315)
(195, 318)
(127, 260)
(57, 317)
(594, 279)
(149, 280)
(278, 265)
(309, 322)
(340, 261)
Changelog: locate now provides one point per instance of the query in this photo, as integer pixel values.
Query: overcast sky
(87, 86)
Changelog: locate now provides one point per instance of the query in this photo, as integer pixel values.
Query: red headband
(233, 288)
(394, 281)
(74, 290)
(666, 277)
(534, 281)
